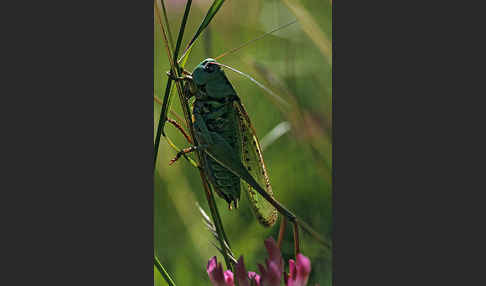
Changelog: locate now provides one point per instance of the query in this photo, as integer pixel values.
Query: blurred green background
(295, 64)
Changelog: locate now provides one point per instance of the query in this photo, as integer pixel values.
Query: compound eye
(210, 67)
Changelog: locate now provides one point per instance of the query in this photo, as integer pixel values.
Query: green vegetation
(295, 63)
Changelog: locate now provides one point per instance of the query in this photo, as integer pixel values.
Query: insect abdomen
(221, 118)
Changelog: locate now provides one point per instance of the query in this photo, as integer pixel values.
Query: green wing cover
(252, 159)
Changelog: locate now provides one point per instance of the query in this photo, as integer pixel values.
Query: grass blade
(164, 10)
(164, 272)
(212, 228)
(187, 115)
(311, 28)
(181, 31)
(278, 131)
(209, 16)
(175, 70)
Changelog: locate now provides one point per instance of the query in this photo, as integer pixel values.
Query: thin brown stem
(281, 232)
(179, 127)
(158, 100)
(171, 39)
(296, 239)
(174, 69)
(178, 117)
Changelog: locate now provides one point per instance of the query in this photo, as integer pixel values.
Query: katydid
(223, 130)
(229, 147)
(221, 125)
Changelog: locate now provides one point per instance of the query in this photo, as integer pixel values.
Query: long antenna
(277, 97)
(256, 39)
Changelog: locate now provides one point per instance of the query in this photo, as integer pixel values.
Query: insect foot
(181, 153)
(179, 78)
(173, 77)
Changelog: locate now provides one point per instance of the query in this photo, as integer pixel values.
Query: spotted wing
(252, 159)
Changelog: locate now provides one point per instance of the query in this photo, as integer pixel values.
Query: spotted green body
(216, 122)
(222, 128)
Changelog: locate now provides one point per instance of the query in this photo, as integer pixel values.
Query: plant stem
(217, 221)
(164, 10)
(175, 69)
(163, 272)
(281, 232)
(296, 240)
(181, 33)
